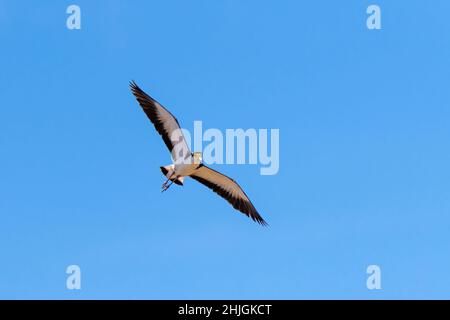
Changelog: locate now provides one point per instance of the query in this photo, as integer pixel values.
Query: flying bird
(187, 163)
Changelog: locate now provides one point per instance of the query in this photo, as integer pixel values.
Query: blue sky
(364, 158)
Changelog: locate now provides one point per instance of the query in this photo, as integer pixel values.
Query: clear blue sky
(364, 149)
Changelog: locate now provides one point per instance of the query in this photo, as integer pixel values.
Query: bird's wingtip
(260, 220)
(133, 84)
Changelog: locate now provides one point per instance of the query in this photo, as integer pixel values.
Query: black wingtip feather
(263, 223)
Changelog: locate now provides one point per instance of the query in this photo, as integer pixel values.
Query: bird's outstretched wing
(165, 123)
(228, 189)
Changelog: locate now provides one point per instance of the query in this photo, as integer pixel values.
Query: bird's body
(183, 170)
(177, 172)
(187, 164)
(187, 169)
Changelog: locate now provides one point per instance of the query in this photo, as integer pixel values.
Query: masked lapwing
(187, 164)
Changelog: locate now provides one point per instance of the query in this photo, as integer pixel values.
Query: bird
(187, 163)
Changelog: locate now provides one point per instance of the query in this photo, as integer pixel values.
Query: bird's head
(197, 156)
